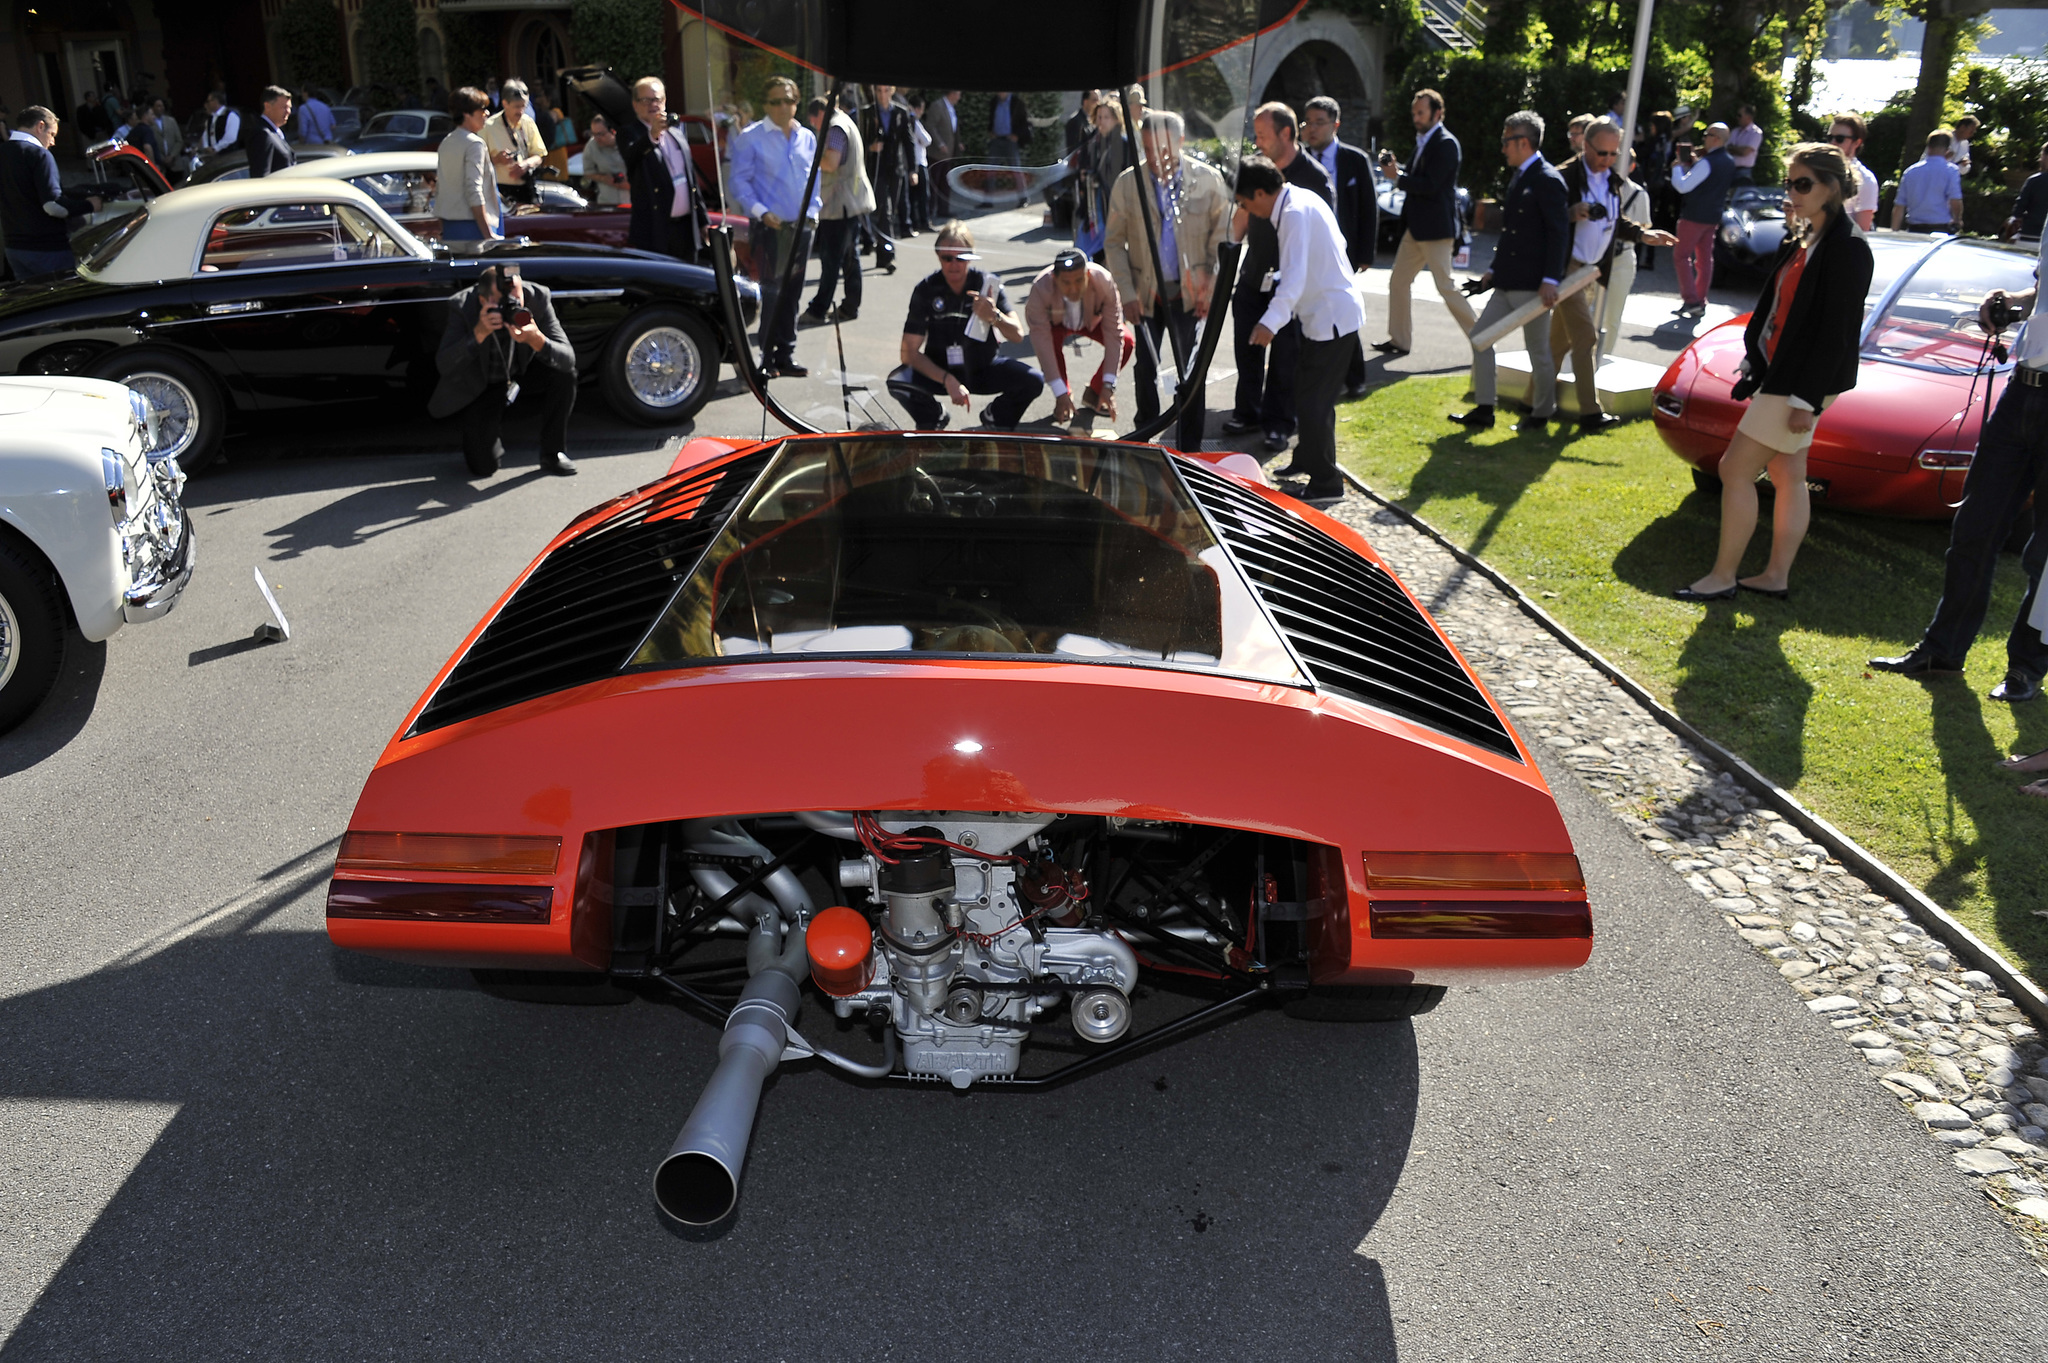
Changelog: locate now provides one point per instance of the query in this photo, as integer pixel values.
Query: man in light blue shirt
(1930, 192)
(316, 120)
(771, 164)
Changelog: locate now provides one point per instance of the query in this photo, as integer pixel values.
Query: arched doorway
(1320, 68)
(539, 51)
(433, 66)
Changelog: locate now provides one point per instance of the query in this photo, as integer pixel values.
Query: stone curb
(1980, 954)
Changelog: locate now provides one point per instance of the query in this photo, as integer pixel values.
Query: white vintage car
(93, 532)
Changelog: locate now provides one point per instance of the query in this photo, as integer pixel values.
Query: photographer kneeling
(2012, 455)
(503, 338)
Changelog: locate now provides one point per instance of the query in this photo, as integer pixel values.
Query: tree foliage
(388, 44)
(625, 35)
(309, 38)
(470, 48)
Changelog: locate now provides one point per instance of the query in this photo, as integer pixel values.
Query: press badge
(1272, 278)
(956, 356)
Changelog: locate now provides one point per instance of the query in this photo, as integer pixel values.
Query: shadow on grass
(1495, 468)
(2005, 847)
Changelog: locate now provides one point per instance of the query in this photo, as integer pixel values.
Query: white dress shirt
(1590, 236)
(1315, 274)
(2031, 347)
(1421, 142)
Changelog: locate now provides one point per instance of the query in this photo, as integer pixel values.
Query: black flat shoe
(1355, 390)
(1323, 494)
(2017, 688)
(1776, 594)
(1688, 594)
(1389, 348)
(559, 465)
(1599, 421)
(1916, 663)
(1292, 471)
(1237, 425)
(790, 369)
(1478, 419)
(1533, 423)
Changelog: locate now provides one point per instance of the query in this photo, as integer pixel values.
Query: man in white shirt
(1959, 149)
(1316, 289)
(223, 127)
(1847, 133)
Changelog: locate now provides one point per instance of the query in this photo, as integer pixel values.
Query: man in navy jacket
(268, 151)
(1429, 217)
(1535, 247)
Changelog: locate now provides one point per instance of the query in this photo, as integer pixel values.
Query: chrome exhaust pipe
(699, 1182)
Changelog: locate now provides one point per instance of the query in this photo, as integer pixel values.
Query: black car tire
(1365, 1002)
(32, 632)
(660, 367)
(169, 380)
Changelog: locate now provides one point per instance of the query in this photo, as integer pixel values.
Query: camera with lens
(2001, 312)
(1596, 211)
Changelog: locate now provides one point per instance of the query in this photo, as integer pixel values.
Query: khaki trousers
(1409, 260)
(1573, 325)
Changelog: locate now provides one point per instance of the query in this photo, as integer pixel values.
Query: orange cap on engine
(842, 949)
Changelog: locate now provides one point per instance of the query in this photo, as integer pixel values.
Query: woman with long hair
(1102, 157)
(1800, 350)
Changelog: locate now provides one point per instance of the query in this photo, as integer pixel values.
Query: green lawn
(1600, 529)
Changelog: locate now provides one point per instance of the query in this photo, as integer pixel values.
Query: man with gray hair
(1535, 247)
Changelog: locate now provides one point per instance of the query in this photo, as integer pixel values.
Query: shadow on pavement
(63, 712)
(371, 1158)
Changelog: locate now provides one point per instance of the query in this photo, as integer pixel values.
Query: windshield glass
(1070, 551)
(903, 237)
(116, 237)
(1933, 321)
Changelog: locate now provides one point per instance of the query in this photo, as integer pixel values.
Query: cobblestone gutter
(1944, 1039)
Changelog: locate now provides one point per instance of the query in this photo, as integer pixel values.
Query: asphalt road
(223, 1139)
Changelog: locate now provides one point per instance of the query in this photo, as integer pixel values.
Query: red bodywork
(750, 738)
(1872, 448)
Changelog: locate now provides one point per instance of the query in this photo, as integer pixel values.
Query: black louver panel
(581, 613)
(1351, 624)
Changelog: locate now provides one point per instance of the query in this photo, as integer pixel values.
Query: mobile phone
(522, 317)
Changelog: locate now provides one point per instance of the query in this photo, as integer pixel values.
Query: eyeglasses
(953, 257)
(1802, 184)
(1603, 155)
(1839, 138)
(1506, 138)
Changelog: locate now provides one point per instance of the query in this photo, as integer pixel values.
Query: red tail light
(458, 853)
(1477, 895)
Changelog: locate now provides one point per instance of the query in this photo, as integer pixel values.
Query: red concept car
(1015, 753)
(1898, 443)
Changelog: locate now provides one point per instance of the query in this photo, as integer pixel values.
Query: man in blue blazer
(1429, 215)
(1534, 251)
(1358, 205)
(268, 151)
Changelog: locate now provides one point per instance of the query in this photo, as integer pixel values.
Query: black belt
(2029, 378)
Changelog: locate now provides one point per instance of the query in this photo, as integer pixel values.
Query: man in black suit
(490, 352)
(1429, 217)
(268, 150)
(1534, 250)
(891, 154)
(1358, 205)
(668, 204)
(1265, 374)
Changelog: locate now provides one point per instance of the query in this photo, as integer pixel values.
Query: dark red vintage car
(1899, 443)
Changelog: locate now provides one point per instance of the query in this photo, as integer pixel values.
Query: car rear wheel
(661, 367)
(1705, 482)
(32, 629)
(189, 410)
(1365, 1002)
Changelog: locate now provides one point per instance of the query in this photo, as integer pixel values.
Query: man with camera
(1702, 180)
(503, 338)
(2011, 453)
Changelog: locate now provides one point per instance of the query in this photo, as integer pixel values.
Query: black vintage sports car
(280, 294)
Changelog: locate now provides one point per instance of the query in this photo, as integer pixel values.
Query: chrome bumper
(153, 594)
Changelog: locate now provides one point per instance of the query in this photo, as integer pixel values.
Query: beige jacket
(1043, 308)
(1203, 225)
(523, 142)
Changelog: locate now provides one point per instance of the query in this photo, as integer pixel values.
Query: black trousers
(773, 251)
(1015, 383)
(1265, 374)
(1156, 350)
(1319, 373)
(550, 391)
(837, 257)
(2012, 456)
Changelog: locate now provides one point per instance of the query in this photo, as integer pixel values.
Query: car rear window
(279, 236)
(109, 247)
(1053, 551)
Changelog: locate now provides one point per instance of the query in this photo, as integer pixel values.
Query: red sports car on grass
(1016, 753)
(1898, 443)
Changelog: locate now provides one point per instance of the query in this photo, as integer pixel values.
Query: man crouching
(503, 338)
(1074, 297)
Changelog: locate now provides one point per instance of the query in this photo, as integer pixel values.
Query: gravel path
(1944, 1040)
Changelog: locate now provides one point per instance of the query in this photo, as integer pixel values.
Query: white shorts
(1765, 423)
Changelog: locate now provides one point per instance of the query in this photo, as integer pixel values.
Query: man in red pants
(1074, 297)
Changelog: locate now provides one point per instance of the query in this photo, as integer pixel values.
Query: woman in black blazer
(1800, 350)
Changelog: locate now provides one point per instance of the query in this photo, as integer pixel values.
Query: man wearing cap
(1075, 297)
(1703, 183)
(958, 317)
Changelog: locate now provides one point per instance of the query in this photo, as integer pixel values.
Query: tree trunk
(1930, 94)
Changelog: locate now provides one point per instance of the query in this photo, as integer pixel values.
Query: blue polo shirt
(1926, 188)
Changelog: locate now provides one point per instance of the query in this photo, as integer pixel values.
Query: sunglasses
(952, 257)
(1801, 184)
(1839, 138)
(1603, 155)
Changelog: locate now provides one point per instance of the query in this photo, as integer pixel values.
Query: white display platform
(1627, 387)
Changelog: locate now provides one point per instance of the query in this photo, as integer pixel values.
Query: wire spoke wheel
(10, 641)
(176, 408)
(664, 366)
